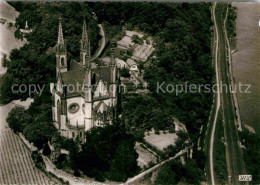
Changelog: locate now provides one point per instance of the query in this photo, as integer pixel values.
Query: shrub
(16, 119)
(108, 154)
(46, 150)
(125, 72)
(76, 173)
(173, 172)
(38, 161)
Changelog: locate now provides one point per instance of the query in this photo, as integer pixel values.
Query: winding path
(218, 99)
(102, 43)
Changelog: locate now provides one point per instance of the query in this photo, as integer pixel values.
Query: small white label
(245, 177)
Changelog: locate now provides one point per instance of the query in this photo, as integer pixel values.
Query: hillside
(16, 162)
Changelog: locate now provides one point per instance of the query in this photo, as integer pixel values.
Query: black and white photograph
(130, 92)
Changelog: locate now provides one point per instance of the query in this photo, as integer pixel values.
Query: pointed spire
(85, 47)
(84, 40)
(60, 34)
(84, 32)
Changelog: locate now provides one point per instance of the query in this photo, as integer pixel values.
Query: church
(85, 94)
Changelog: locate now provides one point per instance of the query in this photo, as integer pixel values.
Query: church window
(73, 134)
(73, 108)
(62, 61)
(83, 108)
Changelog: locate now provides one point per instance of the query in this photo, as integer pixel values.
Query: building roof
(130, 62)
(73, 79)
(98, 106)
(120, 63)
(103, 73)
(131, 33)
(106, 60)
(75, 65)
(75, 76)
(125, 42)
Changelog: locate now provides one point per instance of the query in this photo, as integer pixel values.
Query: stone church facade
(85, 95)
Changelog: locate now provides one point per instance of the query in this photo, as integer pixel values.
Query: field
(16, 164)
(161, 141)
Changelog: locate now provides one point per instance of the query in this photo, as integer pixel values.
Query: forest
(35, 62)
(182, 33)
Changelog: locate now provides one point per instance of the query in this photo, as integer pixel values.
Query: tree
(171, 150)
(109, 150)
(174, 172)
(34, 63)
(38, 133)
(136, 39)
(46, 150)
(125, 72)
(124, 164)
(167, 174)
(192, 174)
(17, 119)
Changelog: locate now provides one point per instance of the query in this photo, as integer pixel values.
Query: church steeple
(85, 47)
(113, 72)
(112, 57)
(61, 52)
(60, 34)
(84, 33)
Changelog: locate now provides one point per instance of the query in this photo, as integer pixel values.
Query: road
(235, 162)
(211, 149)
(223, 100)
(102, 42)
(208, 144)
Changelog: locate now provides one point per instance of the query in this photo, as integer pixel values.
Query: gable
(101, 90)
(103, 73)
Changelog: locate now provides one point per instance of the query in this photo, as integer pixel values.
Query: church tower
(61, 53)
(85, 61)
(112, 68)
(88, 97)
(85, 46)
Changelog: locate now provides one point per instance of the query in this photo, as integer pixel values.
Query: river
(246, 61)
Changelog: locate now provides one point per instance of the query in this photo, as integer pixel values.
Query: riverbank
(246, 63)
